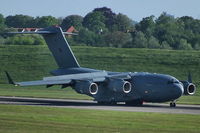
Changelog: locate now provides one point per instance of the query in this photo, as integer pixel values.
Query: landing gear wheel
(172, 104)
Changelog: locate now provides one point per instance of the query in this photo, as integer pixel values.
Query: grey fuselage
(148, 87)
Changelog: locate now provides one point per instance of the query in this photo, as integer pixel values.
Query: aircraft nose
(178, 90)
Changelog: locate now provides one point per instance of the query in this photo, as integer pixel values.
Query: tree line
(104, 28)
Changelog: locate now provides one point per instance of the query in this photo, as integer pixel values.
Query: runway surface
(87, 104)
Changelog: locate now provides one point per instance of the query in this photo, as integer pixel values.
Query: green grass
(30, 119)
(189, 100)
(41, 91)
(34, 62)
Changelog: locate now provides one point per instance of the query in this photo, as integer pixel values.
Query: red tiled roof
(71, 29)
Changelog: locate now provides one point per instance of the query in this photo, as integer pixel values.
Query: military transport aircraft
(105, 87)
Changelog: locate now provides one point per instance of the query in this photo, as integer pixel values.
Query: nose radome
(179, 90)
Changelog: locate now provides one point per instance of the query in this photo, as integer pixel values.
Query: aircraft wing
(68, 79)
(63, 79)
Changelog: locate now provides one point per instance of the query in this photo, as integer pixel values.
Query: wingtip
(10, 80)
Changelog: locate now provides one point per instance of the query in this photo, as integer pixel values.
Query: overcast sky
(135, 9)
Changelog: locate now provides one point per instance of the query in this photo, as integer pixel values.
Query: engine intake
(86, 87)
(189, 88)
(119, 85)
(93, 89)
(127, 87)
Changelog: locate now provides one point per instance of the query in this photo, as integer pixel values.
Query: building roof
(71, 29)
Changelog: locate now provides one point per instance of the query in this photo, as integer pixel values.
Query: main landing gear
(173, 104)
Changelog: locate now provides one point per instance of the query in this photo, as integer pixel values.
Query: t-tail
(58, 45)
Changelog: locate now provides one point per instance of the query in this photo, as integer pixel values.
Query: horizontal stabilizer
(33, 32)
(39, 31)
(70, 33)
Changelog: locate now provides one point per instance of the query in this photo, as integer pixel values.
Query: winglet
(10, 81)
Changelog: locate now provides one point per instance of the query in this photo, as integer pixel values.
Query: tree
(118, 39)
(184, 45)
(191, 29)
(139, 40)
(2, 27)
(72, 20)
(20, 40)
(147, 26)
(153, 43)
(190, 23)
(2, 21)
(124, 23)
(45, 21)
(95, 21)
(86, 36)
(25, 40)
(19, 21)
(110, 17)
(165, 45)
(167, 29)
(197, 46)
(165, 18)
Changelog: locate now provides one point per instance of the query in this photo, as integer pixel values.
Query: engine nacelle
(86, 87)
(119, 85)
(189, 88)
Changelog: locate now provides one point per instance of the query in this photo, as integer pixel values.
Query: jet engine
(189, 88)
(86, 87)
(119, 85)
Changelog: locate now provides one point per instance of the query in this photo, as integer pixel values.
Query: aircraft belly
(115, 97)
(107, 95)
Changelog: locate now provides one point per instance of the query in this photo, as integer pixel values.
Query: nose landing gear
(173, 104)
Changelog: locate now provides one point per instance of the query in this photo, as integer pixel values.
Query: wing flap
(123, 75)
(42, 82)
(80, 76)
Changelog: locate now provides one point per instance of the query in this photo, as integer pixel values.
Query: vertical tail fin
(58, 46)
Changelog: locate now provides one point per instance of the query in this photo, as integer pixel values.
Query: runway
(87, 104)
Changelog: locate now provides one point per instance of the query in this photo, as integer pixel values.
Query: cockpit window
(172, 81)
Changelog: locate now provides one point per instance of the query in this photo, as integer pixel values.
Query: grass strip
(23, 119)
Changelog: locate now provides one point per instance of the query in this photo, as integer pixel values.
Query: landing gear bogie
(172, 104)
